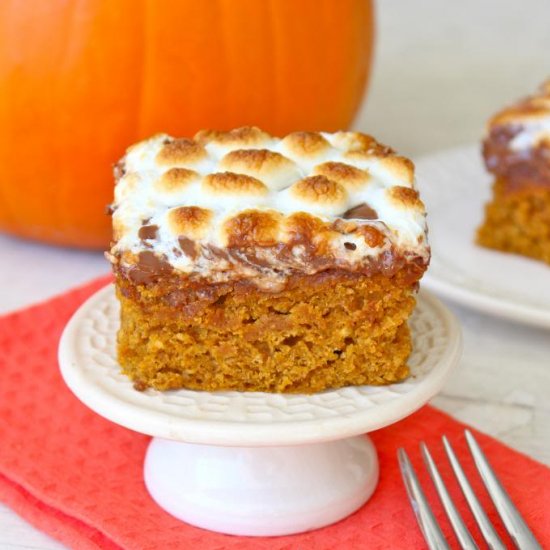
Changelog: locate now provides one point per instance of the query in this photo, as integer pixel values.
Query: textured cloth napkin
(79, 478)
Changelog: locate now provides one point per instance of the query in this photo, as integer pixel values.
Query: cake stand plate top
(87, 357)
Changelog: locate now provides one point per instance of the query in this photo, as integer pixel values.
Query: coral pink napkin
(78, 477)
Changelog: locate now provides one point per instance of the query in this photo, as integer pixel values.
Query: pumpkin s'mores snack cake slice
(517, 153)
(249, 262)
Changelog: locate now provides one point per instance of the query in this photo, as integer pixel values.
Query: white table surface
(441, 69)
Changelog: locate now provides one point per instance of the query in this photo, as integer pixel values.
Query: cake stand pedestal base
(261, 491)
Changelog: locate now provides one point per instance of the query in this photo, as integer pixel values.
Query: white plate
(455, 187)
(87, 358)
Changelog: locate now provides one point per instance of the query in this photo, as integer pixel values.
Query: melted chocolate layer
(151, 269)
(185, 296)
(520, 169)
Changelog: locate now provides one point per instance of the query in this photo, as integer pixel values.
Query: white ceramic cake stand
(255, 463)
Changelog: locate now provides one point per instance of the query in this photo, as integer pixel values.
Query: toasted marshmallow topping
(528, 121)
(245, 204)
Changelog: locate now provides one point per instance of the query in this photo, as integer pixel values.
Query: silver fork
(512, 520)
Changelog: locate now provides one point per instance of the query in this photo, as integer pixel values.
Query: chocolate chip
(188, 247)
(148, 232)
(149, 268)
(361, 212)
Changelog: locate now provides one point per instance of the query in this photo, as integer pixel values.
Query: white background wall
(443, 66)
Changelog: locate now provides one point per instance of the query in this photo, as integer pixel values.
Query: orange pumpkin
(80, 80)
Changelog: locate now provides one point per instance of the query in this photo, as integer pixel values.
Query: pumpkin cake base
(518, 221)
(327, 330)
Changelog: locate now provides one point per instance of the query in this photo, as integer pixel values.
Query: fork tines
(512, 520)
